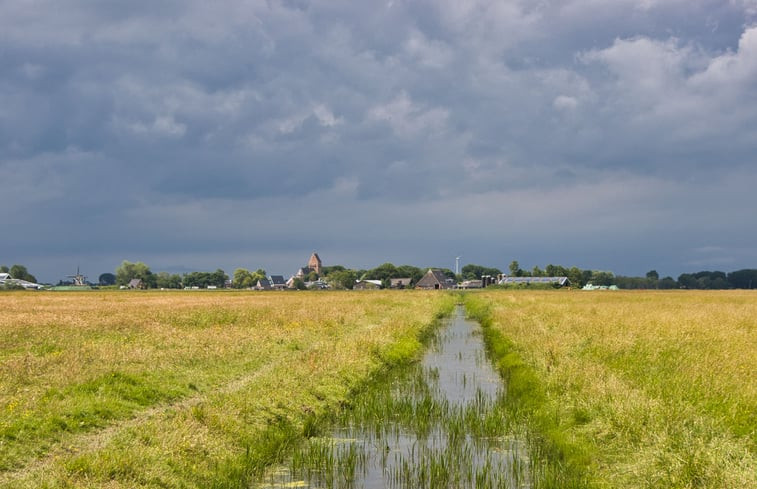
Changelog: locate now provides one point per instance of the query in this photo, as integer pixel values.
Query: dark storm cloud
(182, 132)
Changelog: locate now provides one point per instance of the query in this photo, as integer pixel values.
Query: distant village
(314, 275)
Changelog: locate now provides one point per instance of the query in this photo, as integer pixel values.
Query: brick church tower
(315, 263)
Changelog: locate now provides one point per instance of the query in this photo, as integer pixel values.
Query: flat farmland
(623, 389)
(184, 389)
(648, 389)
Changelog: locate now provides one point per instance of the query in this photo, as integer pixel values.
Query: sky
(616, 135)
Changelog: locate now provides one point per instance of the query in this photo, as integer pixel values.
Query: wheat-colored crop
(659, 388)
(169, 389)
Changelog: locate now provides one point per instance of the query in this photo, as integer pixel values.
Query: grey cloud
(196, 124)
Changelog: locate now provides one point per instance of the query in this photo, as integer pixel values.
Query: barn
(433, 280)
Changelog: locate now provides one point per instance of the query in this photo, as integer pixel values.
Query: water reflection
(438, 424)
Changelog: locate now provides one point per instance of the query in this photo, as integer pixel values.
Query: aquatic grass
(406, 431)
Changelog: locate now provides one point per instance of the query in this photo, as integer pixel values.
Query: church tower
(315, 263)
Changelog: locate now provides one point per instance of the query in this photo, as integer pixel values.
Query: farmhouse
(471, 284)
(136, 283)
(368, 284)
(263, 284)
(6, 279)
(400, 283)
(433, 280)
(277, 282)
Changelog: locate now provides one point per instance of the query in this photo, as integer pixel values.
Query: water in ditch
(440, 423)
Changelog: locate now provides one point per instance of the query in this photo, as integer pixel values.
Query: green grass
(564, 461)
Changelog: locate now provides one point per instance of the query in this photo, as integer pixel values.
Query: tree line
(703, 280)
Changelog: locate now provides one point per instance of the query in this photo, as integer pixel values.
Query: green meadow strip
(559, 461)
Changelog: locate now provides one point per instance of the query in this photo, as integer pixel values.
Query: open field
(632, 389)
(183, 389)
(206, 389)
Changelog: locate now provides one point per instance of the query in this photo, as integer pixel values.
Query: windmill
(78, 279)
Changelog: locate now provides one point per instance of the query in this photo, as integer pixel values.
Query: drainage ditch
(439, 423)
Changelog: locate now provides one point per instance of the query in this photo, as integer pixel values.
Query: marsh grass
(180, 389)
(631, 389)
(439, 423)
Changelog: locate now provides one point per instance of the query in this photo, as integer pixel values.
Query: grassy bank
(183, 389)
(632, 389)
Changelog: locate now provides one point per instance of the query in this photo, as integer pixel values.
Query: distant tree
(382, 272)
(602, 278)
(245, 279)
(219, 278)
(585, 277)
(707, 280)
(165, 280)
(712, 275)
(21, 273)
(312, 276)
(515, 270)
(326, 271)
(743, 279)
(475, 272)
(242, 279)
(668, 283)
(259, 274)
(193, 279)
(447, 273)
(4, 269)
(128, 271)
(631, 282)
(471, 271)
(107, 279)
(411, 272)
(576, 276)
(553, 271)
(653, 279)
(342, 279)
(688, 281)
(299, 284)
(537, 272)
(205, 279)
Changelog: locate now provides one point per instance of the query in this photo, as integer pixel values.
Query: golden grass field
(651, 389)
(183, 389)
(119, 389)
